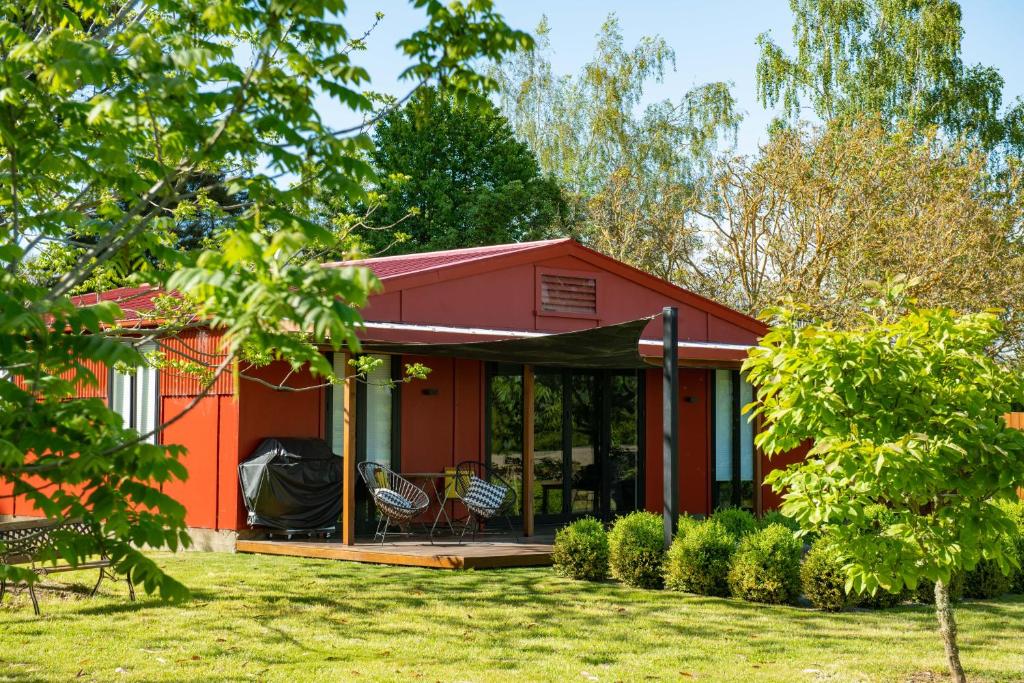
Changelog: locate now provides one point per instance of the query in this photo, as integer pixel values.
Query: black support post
(670, 421)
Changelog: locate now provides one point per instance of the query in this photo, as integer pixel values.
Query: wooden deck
(443, 554)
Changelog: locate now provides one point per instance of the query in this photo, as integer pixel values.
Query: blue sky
(713, 40)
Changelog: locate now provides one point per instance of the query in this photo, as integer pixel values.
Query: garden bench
(32, 543)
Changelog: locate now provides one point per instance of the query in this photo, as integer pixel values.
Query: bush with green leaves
(698, 561)
(637, 550)
(776, 517)
(925, 591)
(905, 408)
(822, 577)
(1015, 510)
(737, 522)
(766, 566)
(581, 550)
(986, 581)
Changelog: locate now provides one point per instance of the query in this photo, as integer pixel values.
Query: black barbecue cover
(292, 483)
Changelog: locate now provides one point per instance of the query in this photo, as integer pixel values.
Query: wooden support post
(348, 506)
(527, 501)
(670, 422)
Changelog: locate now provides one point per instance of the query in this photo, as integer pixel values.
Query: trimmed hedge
(986, 581)
(776, 517)
(1015, 509)
(637, 551)
(698, 561)
(882, 599)
(823, 578)
(766, 566)
(581, 550)
(737, 522)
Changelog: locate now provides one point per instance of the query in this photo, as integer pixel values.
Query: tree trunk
(947, 627)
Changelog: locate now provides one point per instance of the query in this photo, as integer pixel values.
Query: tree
(821, 214)
(898, 59)
(905, 411)
(631, 175)
(108, 111)
(453, 175)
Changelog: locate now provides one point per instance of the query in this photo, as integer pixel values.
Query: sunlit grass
(286, 619)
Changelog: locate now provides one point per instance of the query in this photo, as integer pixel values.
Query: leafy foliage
(822, 577)
(776, 517)
(925, 592)
(698, 561)
(898, 59)
(453, 175)
(906, 413)
(736, 521)
(632, 171)
(110, 111)
(637, 551)
(766, 566)
(987, 580)
(580, 550)
(820, 214)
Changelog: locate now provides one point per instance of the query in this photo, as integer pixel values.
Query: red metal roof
(134, 301)
(385, 267)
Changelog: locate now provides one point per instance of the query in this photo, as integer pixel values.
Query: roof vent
(572, 294)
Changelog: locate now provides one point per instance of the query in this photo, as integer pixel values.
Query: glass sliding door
(624, 461)
(586, 439)
(549, 480)
(505, 425)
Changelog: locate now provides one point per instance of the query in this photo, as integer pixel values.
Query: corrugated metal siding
(198, 346)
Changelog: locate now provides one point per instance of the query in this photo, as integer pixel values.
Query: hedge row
(732, 553)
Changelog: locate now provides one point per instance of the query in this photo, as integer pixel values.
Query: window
(375, 411)
(135, 398)
(567, 294)
(379, 406)
(733, 442)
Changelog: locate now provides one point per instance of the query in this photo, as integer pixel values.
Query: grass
(285, 619)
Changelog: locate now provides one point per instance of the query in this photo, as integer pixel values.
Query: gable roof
(388, 267)
(414, 270)
(135, 302)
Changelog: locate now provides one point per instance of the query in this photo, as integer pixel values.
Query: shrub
(1016, 511)
(882, 599)
(581, 550)
(698, 561)
(776, 517)
(766, 566)
(986, 581)
(737, 522)
(636, 549)
(925, 592)
(822, 577)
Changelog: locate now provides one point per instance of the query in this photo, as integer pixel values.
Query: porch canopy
(612, 346)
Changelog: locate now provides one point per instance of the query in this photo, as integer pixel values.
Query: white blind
(378, 413)
(338, 407)
(724, 418)
(134, 397)
(723, 425)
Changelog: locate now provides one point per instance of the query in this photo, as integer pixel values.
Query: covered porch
(589, 437)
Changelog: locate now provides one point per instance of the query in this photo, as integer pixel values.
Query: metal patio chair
(486, 496)
(398, 499)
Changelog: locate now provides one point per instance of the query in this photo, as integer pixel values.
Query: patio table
(428, 482)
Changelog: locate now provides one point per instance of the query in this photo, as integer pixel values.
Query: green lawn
(284, 619)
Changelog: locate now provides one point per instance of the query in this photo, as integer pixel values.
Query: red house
(490, 323)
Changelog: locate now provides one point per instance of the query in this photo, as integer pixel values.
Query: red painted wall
(769, 499)
(694, 487)
(264, 412)
(198, 431)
